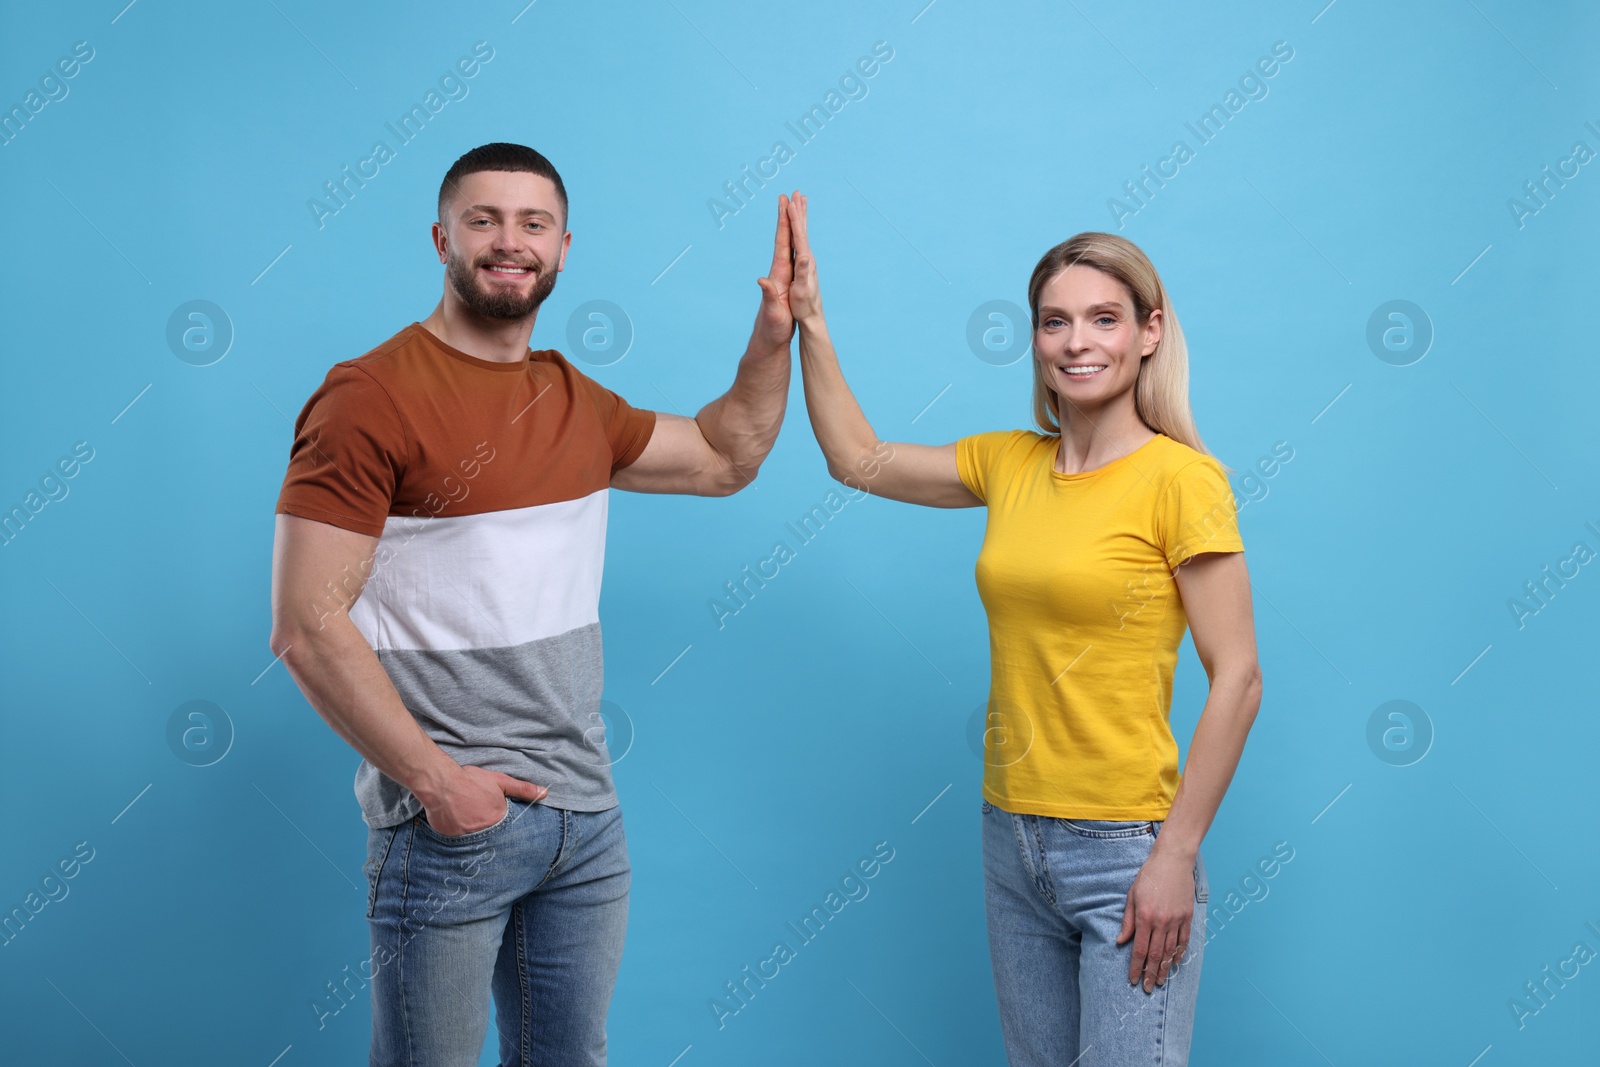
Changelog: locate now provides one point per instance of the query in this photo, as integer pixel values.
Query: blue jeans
(532, 908)
(1055, 891)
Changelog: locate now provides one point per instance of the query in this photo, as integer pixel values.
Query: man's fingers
(782, 243)
(516, 787)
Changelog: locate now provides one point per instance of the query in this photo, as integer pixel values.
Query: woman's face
(1088, 344)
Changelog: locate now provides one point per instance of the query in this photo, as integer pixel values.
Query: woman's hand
(805, 298)
(1159, 911)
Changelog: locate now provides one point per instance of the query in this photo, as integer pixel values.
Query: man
(435, 590)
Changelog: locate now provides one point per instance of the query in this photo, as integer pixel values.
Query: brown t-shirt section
(419, 429)
(487, 485)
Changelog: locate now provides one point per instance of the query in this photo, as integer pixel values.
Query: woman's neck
(1090, 440)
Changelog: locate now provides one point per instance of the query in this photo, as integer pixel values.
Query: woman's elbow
(860, 465)
(1252, 689)
(1253, 678)
(1243, 679)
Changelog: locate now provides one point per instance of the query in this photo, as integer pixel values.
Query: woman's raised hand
(805, 298)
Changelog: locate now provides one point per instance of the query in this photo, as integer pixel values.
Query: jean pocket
(378, 845)
(457, 839)
(1202, 891)
(1107, 829)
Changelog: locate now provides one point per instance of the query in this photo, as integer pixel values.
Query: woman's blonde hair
(1161, 394)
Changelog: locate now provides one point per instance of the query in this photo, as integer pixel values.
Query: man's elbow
(284, 639)
(729, 479)
(292, 637)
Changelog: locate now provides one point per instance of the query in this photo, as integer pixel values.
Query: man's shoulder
(384, 365)
(565, 367)
(391, 357)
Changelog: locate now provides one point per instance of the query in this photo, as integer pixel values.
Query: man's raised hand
(775, 323)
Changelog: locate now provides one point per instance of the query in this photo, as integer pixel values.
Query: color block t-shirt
(1076, 574)
(486, 485)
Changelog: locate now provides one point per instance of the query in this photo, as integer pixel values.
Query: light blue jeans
(1055, 891)
(533, 908)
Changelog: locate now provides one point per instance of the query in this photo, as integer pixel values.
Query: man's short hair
(501, 156)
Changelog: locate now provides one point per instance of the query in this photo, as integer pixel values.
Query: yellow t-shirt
(1085, 618)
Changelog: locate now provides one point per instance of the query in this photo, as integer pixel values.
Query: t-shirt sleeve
(626, 427)
(348, 456)
(1198, 513)
(977, 459)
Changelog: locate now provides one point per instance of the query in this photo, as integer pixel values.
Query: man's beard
(501, 302)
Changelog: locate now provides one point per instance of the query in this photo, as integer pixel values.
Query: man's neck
(499, 341)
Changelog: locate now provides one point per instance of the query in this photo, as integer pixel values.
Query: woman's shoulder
(999, 454)
(1003, 435)
(1008, 440)
(1173, 455)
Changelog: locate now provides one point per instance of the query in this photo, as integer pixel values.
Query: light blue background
(831, 711)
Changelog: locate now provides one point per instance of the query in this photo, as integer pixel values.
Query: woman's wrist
(1182, 850)
(812, 322)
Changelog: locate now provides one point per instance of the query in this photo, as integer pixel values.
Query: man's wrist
(433, 781)
(764, 349)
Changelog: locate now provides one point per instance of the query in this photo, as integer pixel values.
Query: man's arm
(318, 571)
(718, 452)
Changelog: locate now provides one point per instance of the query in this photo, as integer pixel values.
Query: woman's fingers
(1153, 957)
(797, 218)
(1169, 954)
(1158, 951)
(1143, 952)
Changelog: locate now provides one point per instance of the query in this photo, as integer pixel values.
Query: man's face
(504, 240)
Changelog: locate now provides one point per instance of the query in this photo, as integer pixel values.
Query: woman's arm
(1215, 588)
(916, 474)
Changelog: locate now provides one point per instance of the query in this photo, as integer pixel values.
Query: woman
(1108, 535)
